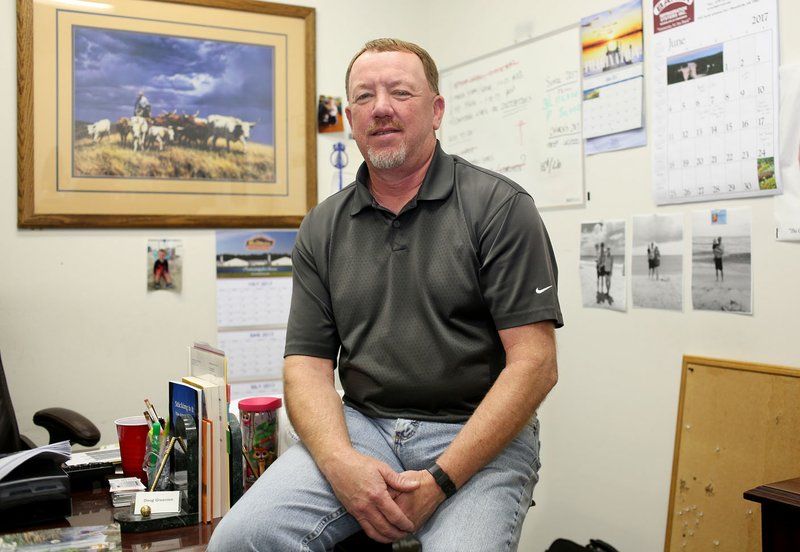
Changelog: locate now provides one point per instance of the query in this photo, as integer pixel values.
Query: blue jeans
(291, 507)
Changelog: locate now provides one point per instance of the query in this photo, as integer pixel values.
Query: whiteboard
(518, 112)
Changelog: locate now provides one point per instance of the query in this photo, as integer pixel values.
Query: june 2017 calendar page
(715, 91)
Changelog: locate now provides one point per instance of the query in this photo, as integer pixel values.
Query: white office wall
(77, 328)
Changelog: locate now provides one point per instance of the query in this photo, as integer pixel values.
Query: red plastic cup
(259, 422)
(132, 433)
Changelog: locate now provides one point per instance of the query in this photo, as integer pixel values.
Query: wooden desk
(780, 515)
(93, 507)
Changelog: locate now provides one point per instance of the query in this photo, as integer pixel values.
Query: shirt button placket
(397, 242)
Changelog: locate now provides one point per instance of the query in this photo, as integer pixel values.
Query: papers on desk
(108, 455)
(58, 452)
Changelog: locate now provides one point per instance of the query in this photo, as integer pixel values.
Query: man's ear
(349, 116)
(438, 111)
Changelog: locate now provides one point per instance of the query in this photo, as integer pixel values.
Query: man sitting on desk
(433, 282)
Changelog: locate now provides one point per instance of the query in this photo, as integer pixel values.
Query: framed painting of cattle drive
(165, 113)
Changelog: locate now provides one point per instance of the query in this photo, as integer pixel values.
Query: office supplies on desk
(209, 372)
(259, 422)
(155, 448)
(184, 477)
(123, 489)
(164, 458)
(215, 410)
(155, 416)
(109, 454)
(92, 465)
(132, 432)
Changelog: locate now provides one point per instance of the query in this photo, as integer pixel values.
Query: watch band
(443, 480)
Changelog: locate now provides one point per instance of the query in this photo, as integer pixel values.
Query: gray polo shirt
(411, 304)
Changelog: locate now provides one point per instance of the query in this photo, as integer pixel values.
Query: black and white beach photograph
(657, 262)
(602, 265)
(722, 277)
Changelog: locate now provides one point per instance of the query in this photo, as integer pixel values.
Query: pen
(155, 414)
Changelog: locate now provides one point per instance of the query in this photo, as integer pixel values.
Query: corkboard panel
(738, 428)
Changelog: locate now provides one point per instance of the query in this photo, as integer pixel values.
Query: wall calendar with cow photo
(715, 100)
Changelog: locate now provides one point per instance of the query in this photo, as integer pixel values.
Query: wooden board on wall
(738, 427)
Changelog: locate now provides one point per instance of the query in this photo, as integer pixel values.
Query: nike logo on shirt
(542, 290)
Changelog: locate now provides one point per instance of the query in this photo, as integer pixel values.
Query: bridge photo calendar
(714, 83)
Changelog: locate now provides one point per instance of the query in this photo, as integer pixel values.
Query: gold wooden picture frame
(165, 113)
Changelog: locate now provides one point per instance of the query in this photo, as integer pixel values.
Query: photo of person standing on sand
(657, 245)
(603, 256)
(728, 233)
(719, 251)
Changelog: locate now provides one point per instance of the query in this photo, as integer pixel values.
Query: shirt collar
(437, 185)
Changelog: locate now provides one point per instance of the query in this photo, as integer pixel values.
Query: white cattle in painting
(232, 129)
(139, 132)
(159, 135)
(99, 129)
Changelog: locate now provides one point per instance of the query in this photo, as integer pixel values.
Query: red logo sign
(668, 14)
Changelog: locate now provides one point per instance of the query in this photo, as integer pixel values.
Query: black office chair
(62, 424)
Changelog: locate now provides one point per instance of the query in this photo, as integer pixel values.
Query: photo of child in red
(161, 270)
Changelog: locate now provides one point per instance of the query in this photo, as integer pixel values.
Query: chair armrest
(64, 424)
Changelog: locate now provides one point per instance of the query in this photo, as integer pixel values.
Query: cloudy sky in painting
(188, 75)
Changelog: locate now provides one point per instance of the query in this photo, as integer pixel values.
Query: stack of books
(204, 395)
(123, 490)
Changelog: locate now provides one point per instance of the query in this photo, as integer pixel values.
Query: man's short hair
(397, 45)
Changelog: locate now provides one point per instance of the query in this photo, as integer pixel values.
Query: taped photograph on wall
(722, 278)
(657, 262)
(602, 265)
(183, 115)
(165, 265)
